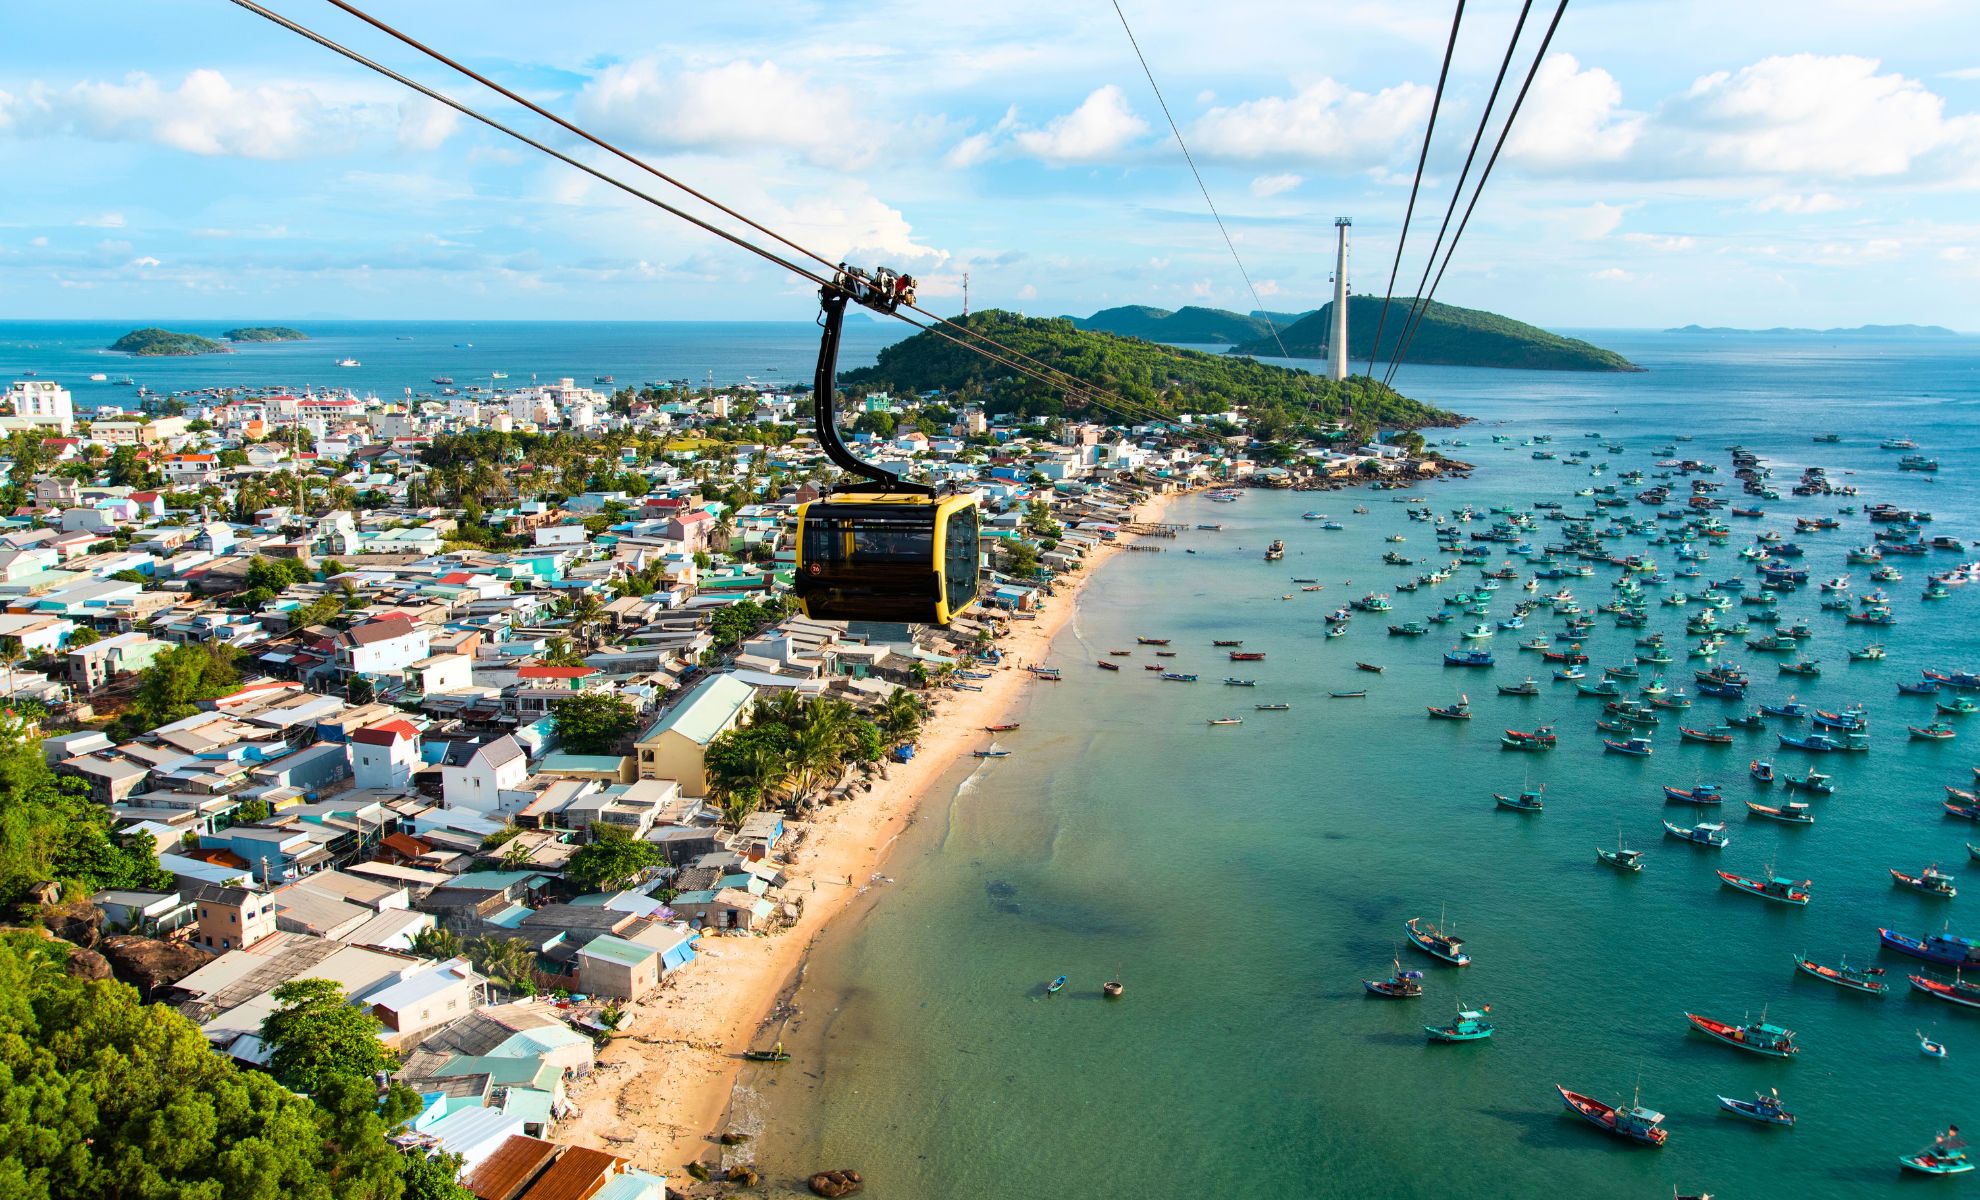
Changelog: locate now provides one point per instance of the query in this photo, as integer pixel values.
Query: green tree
(83, 636)
(177, 680)
(613, 859)
(106, 1097)
(316, 1036)
(736, 623)
(594, 722)
(433, 1178)
(509, 962)
(437, 942)
(253, 810)
(1021, 559)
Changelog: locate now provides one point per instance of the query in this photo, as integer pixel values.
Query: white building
(488, 778)
(385, 755)
(386, 646)
(43, 402)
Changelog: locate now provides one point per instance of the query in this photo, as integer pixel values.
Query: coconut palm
(508, 962)
(900, 715)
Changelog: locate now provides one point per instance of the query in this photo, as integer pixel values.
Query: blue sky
(1756, 163)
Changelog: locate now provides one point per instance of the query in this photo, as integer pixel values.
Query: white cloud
(1962, 73)
(1572, 116)
(978, 147)
(206, 114)
(738, 104)
(1661, 241)
(848, 223)
(1101, 126)
(1027, 292)
(146, 261)
(425, 124)
(1825, 116)
(1324, 122)
(1588, 223)
(109, 220)
(1613, 275)
(1272, 185)
(1808, 205)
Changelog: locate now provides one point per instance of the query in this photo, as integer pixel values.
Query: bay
(1242, 881)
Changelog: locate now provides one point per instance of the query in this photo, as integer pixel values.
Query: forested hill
(1153, 378)
(1447, 334)
(1190, 324)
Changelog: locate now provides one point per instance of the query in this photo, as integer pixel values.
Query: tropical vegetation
(594, 722)
(152, 341)
(1187, 324)
(792, 745)
(1464, 337)
(265, 333)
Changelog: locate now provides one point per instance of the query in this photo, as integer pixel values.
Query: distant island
(153, 342)
(265, 333)
(1158, 381)
(1446, 335)
(1191, 324)
(1886, 331)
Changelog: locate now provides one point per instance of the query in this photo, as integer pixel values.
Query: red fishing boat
(1637, 1123)
(1757, 1037)
(1957, 992)
(1856, 979)
(1247, 656)
(1000, 728)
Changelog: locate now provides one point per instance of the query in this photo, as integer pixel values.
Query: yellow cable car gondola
(887, 549)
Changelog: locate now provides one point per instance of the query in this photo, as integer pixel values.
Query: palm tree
(586, 611)
(437, 942)
(11, 652)
(509, 962)
(900, 715)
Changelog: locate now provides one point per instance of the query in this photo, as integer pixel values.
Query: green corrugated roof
(618, 950)
(704, 711)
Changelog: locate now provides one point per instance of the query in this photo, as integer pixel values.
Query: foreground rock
(149, 964)
(833, 1184)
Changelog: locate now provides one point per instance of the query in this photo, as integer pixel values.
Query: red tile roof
(385, 733)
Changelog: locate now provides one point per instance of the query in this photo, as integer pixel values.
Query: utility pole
(965, 293)
(1337, 339)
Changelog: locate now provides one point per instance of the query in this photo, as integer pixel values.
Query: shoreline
(662, 1089)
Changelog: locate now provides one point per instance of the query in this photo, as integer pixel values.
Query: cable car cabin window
(870, 562)
(960, 558)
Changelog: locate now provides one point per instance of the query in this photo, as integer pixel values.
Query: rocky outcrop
(88, 964)
(151, 965)
(833, 1184)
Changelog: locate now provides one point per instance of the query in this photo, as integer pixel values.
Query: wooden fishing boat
(1937, 731)
(1761, 772)
(1811, 781)
(1470, 1026)
(1957, 992)
(1053, 988)
(1461, 711)
(1814, 743)
(1178, 677)
(1954, 808)
(1947, 1153)
(1702, 834)
(1000, 728)
(1528, 800)
(1104, 665)
(1793, 812)
(1765, 1107)
(1225, 721)
(992, 753)
(777, 1056)
(1717, 736)
(1931, 882)
(1958, 706)
(1929, 687)
(1247, 656)
(1945, 948)
(1149, 641)
(1757, 1037)
(1635, 1123)
(1281, 707)
(1774, 887)
(1436, 943)
(1638, 747)
(1400, 985)
(1542, 738)
(1152, 667)
(1165, 654)
(1620, 858)
(1232, 682)
(1357, 694)
(1371, 668)
(1526, 687)
(1747, 720)
(1793, 708)
(1856, 979)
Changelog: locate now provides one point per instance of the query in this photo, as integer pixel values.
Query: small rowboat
(1226, 721)
(1112, 989)
(1636, 1123)
(1930, 1048)
(1120, 653)
(1765, 1107)
(1793, 812)
(1436, 943)
(1149, 641)
(1104, 665)
(1702, 834)
(1468, 1027)
(1757, 1037)
(1354, 695)
(1000, 728)
(1527, 801)
(1762, 772)
(777, 1056)
(1272, 707)
(991, 753)
(1856, 979)
(1957, 992)
(1931, 881)
(1369, 667)
(1774, 887)
(1053, 988)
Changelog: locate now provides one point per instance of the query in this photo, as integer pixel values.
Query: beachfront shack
(727, 908)
(613, 967)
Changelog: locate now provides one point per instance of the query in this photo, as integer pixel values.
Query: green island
(1446, 335)
(265, 333)
(1188, 324)
(1156, 380)
(154, 342)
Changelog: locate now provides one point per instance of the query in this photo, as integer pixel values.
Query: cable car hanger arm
(883, 294)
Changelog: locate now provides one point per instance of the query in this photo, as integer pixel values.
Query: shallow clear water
(1243, 881)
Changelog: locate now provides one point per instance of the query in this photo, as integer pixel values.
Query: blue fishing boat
(1947, 1153)
(1814, 743)
(1927, 687)
(1053, 988)
(1945, 948)
(1703, 793)
(1792, 709)
(1528, 800)
(1467, 658)
(1811, 781)
(1435, 942)
(1470, 1026)
(1702, 834)
(1765, 1107)
(1855, 979)
(1757, 1037)
(1792, 812)
(1638, 747)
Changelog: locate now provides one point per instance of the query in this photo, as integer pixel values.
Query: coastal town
(493, 717)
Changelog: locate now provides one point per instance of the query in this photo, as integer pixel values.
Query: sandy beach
(662, 1088)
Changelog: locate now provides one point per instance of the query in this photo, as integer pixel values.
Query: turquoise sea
(1243, 881)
